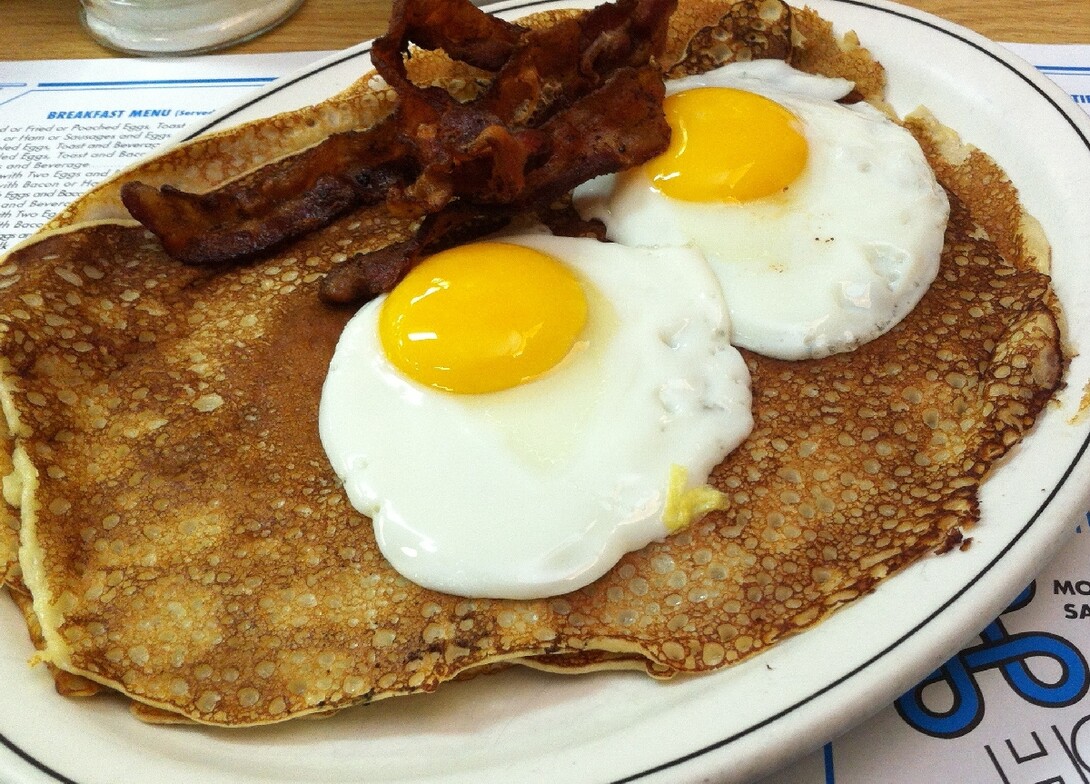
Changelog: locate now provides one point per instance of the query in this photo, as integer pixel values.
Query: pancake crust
(187, 544)
(9, 513)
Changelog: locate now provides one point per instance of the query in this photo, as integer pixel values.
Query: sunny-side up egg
(823, 221)
(518, 414)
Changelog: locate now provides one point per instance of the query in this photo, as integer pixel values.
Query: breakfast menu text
(1012, 707)
(65, 125)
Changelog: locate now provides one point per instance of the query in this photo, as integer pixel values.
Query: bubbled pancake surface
(188, 544)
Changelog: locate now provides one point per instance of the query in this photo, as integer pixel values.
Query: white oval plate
(731, 726)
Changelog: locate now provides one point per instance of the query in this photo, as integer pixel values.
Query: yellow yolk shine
(727, 145)
(482, 317)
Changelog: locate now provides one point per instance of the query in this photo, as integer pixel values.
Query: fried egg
(823, 221)
(518, 414)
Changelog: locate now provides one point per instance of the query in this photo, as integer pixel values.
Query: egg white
(538, 490)
(836, 260)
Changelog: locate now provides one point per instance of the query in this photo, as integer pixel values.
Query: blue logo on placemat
(1011, 654)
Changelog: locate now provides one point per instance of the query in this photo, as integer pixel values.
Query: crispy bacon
(583, 149)
(282, 200)
(369, 275)
(568, 102)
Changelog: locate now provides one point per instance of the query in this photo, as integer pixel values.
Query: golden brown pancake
(187, 543)
(66, 683)
(9, 513)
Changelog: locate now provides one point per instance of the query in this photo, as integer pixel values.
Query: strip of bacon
(567, 102)
(583, 149)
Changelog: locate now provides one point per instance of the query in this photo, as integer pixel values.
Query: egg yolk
(687, 504)
(727, 145)
(482, 317)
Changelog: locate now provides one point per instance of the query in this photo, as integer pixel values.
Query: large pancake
(186, 542)
(9, 512)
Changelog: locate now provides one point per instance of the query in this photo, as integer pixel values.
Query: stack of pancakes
(173, 531)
